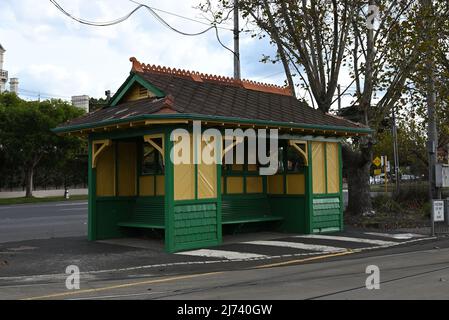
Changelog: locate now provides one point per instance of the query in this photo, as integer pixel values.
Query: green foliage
(384, 203)
(412, 199)
(26, 140)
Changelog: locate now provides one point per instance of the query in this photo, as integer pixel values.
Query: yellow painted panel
(237, 167)
(207, 181)
(234, 185)
(106, 173)
(254, 185)
(184, 178)
(276, 184)
(295, 184)
(126, 154)
(318, 168)
(207, 178)
(146, 186)
(137, 92)
(160, 185)
(333, 168)
(252, 167)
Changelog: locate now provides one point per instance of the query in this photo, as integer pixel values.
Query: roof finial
(137, 66)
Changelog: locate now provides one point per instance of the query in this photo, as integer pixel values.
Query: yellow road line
(305, 259)
(126, 285)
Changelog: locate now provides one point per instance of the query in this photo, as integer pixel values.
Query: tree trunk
(29, 182)
(357, 165)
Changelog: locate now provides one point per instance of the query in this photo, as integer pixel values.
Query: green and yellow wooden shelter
(134, 185)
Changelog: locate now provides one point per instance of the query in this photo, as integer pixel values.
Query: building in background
(3, 73)
(81, 102)
(13, 82)
(14, 85)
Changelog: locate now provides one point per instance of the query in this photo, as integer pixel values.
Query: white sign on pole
(388, 166)
(438, 210)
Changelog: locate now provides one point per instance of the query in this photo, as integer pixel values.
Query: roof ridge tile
(202, 77)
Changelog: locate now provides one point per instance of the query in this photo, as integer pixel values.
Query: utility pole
(236, 41)
(432, 137)
(395, 150)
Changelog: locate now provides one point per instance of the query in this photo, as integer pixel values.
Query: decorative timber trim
(304, 152)
(204, 77)
(98, 146)
(159, 148)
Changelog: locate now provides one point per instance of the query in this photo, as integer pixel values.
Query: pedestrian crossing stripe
(313, 248)
(397, 236)
(222, 254)
(347, 239)
(297, 245)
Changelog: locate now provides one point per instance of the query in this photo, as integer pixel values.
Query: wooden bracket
(295, 144)
(150, 140)
(98, 146)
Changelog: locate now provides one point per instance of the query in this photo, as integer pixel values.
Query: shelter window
(295, 161)
(152, 162)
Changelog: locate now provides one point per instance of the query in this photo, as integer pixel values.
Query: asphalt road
(404, 275)
(414, 271)
(42, 221)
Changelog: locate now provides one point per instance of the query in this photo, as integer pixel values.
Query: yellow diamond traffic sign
(377, 162)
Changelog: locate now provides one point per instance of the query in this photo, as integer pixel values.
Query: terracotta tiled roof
(204, 77)
(194, 93)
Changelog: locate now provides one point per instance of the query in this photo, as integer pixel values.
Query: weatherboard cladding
(209, 98)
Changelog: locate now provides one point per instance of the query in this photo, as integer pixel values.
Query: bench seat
(134, 224)
(247, 209)
(148, 212)
(249, 219)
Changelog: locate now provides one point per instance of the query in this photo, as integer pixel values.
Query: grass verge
(23, 200)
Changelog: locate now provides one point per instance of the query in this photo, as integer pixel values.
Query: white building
(81, 102)
(13, 82)
(3, 73)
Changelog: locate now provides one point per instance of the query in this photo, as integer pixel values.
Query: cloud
(51, 53)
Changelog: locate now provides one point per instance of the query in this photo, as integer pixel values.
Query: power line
(126, 17)
(153, 12)
(183, 17)
(269, 75)
(30, 93)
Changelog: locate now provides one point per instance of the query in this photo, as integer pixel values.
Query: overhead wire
(155, 15)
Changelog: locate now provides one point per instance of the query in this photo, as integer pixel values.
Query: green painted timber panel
(195, 225)
(147, 212)
(293, 211)
(109, 211)
(249, 208)
(326, 214)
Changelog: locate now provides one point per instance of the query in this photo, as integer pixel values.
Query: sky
(57, 57)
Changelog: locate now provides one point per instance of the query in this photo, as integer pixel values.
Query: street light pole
(236, 41)
(395, 150)
(432, 137)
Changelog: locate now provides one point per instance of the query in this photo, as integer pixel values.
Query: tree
(320, 37)
(26, 137)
